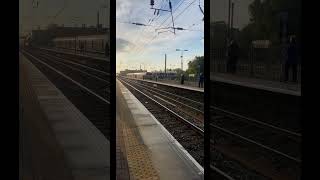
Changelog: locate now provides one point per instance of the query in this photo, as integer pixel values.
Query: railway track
(188, 94)
(245, 148)
(195, 101)
(189, 135)
(86, 86)
(189, 109)
(99, 64)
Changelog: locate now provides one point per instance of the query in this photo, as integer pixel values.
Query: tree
(179, 71)
(265, 21)
(193, 66)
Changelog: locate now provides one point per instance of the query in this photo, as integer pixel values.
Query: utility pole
(228, 29)
(98, 21)
(182, 60)
(232, 7)
(174, 31)
(165, 64)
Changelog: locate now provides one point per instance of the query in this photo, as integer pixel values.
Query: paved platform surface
(122, 170)
(72, 52)
(152, 153)
(274, 86)
(86, 150)
(173, 85)
(37, 142)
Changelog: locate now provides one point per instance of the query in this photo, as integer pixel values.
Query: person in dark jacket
(201, 79)
(232, 57)
(182, 79)
(291, 60)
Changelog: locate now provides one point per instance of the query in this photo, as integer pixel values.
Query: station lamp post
(182, 50)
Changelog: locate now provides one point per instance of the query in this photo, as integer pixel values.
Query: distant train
(153, 75)
(92, 43)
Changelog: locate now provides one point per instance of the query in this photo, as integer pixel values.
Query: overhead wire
(140, 49)
(169, 23)
(137, 48)
(147, 28)
(162, 4)
(177, 7)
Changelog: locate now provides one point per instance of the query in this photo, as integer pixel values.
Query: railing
(257, 63)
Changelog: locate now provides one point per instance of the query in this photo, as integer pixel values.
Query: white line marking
(80, 70)
(78, 64)
(81, 55)
(164, 100)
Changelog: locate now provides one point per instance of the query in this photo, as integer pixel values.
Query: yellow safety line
(138, 156)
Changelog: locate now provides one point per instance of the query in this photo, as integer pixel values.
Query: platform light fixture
(182, 50)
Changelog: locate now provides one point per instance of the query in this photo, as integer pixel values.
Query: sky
(72, 12)
(219, 11)
(140, 45)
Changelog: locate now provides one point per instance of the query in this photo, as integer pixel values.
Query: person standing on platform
(232, 57)
(182, 78)
(201, 79)
(291, 60)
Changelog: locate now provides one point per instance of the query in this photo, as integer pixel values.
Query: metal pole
(228, 29)
(252, 61)
(98, 21)
(182, 60)
(232, 7)
(165, 64)
(174, 30)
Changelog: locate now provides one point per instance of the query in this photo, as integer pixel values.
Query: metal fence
(263, 63)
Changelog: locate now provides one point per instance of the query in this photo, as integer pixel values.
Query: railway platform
(72, 52)
(148, 149)
(57, 140)
(267, 101)
(268, 85)
(173, 85)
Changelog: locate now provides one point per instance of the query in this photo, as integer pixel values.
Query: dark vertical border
(207, 89)
(112, 25)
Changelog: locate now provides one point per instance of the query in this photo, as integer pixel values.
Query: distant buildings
(127, 71)
(45, 36)
(218, 34)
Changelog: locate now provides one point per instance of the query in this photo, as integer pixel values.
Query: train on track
(99, 44)
(153, 75)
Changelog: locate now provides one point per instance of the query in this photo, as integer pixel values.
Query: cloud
(123, 45)
(143, 44)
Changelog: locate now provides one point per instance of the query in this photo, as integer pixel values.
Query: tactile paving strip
(138, 156)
